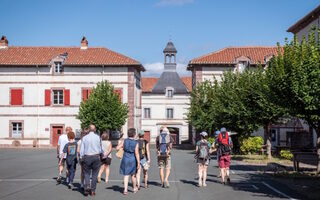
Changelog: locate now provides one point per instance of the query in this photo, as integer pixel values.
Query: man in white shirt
(63, 140)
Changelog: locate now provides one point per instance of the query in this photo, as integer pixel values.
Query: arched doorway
(174, 132)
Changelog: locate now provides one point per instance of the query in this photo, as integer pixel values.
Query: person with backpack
(203, 150)
(70, 151)
(144, 152)
(62, 141)
(224, 151)
(164, 146)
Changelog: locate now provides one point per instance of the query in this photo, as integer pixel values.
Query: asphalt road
(31, 173)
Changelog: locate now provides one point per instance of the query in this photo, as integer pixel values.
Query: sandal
(125, 192)
(135, 190)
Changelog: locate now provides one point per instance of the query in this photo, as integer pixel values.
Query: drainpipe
(38, 107)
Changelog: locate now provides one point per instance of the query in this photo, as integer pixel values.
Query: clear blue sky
(141, 29)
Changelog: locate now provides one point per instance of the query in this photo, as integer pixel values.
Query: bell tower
(170, 57)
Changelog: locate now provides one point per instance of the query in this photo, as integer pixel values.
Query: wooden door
(56, 132)
(147, 135)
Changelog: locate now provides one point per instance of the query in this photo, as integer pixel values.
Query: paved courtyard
(30, 174)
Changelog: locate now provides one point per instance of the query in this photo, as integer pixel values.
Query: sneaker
(93, 193)
(86, 191)
(70, 185)
(199, 183)
(59, 179)
(228, 180)
(167, 185)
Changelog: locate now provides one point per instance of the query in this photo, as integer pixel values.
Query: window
(169, 92)
(16, 129)
(86, 93)
(16, 96)
(169, 113)
(57, 97)
(147, 113)
(58, 69)
(241, 66)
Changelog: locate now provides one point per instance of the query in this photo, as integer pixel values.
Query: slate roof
(169, 79)
(170, 48)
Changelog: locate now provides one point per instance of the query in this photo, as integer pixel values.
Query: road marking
(255, 187)
(277, 191)
(45, 179)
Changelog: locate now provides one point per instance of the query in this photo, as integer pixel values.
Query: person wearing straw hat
(164, 146)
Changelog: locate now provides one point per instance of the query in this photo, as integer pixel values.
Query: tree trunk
(267, 132)
(318, 149)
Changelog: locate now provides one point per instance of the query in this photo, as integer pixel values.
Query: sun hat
(204, 134)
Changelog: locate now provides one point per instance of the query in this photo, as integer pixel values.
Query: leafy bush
(251, 144)
(286, 154)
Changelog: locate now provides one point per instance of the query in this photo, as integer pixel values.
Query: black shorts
(106, 161)
(63, 161)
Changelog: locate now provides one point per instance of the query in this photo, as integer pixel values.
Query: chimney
(84, 43)
(3, 42)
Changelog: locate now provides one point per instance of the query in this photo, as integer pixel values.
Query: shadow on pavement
(115, 188)
(194, 183)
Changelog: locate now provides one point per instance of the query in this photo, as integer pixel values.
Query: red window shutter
(89, 92)
(16, 97)
(47, 97)
(84, 94)
(67, 97)
(119, 93)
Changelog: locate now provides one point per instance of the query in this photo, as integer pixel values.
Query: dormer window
(58, 69)
(169, 92)
(242, 66)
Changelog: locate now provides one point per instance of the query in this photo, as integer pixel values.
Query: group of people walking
(94, 155)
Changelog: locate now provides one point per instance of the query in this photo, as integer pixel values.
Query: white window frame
(58, 68)
(167, 92)
(16, 133)
(167, 113)
(144, 113)
(59, 103)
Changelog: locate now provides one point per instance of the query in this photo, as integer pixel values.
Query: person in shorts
(203, 150)
(106, 160)
(164, 161)
(224, 148)
(144, 151)
(63, 140)
(70, 151)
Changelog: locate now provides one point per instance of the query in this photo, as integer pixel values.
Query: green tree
(296, 76)
(103, 108)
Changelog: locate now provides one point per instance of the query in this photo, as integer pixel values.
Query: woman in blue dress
(129, 163)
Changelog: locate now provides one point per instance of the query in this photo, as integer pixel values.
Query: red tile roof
(187, 80)
(149, 82)
(228, 55)
(14, 55)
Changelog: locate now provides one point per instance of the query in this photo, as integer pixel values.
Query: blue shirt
(90, 145)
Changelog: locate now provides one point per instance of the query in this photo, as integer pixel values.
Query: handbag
(119, 153)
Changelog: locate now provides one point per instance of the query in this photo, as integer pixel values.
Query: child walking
(70, 150)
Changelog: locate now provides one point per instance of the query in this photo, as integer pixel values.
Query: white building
(303, 26)
(42, 87)
(212, 66)
(165, 100)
